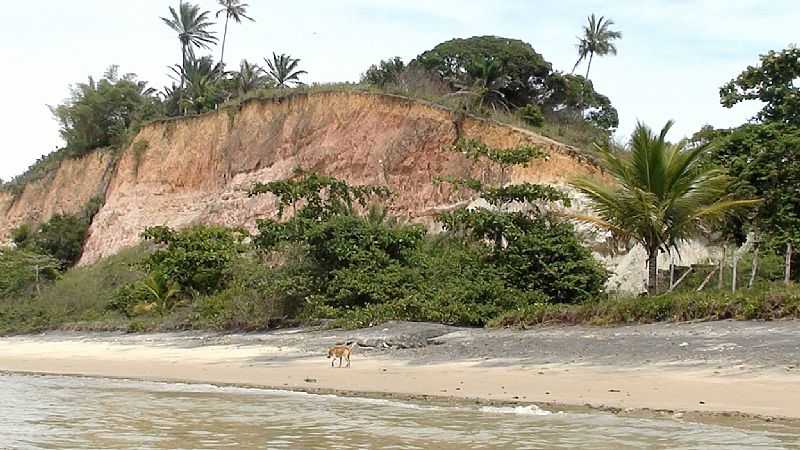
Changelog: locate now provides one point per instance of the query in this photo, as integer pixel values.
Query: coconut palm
(283, 70)
(201, 91)
(485, 82)
(250, 77)
(161, 292)
(233, 9)
(664, 195)
(597, 39)
(192, 25)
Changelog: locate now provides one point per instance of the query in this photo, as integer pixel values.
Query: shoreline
(295, 361)
(698, 416)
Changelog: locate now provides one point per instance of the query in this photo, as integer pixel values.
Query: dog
(341, 352)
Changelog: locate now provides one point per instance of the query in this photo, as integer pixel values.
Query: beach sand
(443, 369)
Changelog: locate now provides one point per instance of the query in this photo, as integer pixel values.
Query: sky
(674, 55)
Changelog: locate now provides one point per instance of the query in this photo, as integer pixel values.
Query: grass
(77, 300)
(768, 302)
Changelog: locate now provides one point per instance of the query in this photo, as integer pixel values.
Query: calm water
(82, 413)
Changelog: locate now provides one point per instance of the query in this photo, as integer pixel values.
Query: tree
(384, 73)
(192, 25)
(233, 9)
(774, 82)
(201, 90)
(250, 78)
(283, 70)
(484, 83)
(531, 248)
(524, 68)
(664, 195)
(101, 113)
(598, 39)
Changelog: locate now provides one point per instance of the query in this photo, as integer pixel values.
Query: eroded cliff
(65, 190)
(198, 170)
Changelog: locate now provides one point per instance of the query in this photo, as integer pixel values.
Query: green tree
(531, 249)
(62, 237)
(202, 88)
(23, 268)
(384, 73)
(663, 195)
(484, 84)
(102, 113)
(283, 70)
(199, 258)
(774, 82)
(192, 25)
(250, 78)
(233, 9)
(597, 39)
(524, 68)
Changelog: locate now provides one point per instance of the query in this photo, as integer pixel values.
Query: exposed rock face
(198, 170)
(66, 190)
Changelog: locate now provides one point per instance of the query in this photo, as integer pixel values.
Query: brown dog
(341, 352)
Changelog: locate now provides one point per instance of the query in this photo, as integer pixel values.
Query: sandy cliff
(198, 170)
(65, 190)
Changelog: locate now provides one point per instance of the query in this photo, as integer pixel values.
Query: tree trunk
(755, 266)
(734, 272)
(722, 268)
(652, 273)
(787, 277)
(589, 67)
(224, 39)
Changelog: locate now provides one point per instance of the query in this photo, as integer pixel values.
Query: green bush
(548, 257)
(198, 258)
(62, 237)
(532, 115)
(21, 271)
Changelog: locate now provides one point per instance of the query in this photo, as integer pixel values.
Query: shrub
(62, 237)
(532, 115)
(199, 258)
(549, 258)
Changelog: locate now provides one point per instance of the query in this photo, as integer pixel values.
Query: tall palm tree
(597, 39)
(192, 25)
(283, 70)
(233, 9)
(663, 196)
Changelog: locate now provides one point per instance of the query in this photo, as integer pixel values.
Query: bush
(199, 258)
(62, 237)
(532, 115)
(549, 258)
(21, 271)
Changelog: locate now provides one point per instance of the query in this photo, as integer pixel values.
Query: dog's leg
(332, 360)
(348, 360)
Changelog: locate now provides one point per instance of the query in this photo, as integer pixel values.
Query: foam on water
(527, 410)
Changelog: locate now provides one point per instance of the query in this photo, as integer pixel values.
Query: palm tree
(250, 77)
(233, 9)
(597, 39)
(282, 69)
(161, 291)
(191, 25)
(484, 81)
(664, 195)
(200, 77)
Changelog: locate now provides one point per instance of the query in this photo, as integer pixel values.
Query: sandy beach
(724, 367)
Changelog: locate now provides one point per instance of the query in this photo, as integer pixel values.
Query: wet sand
(722, 368)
